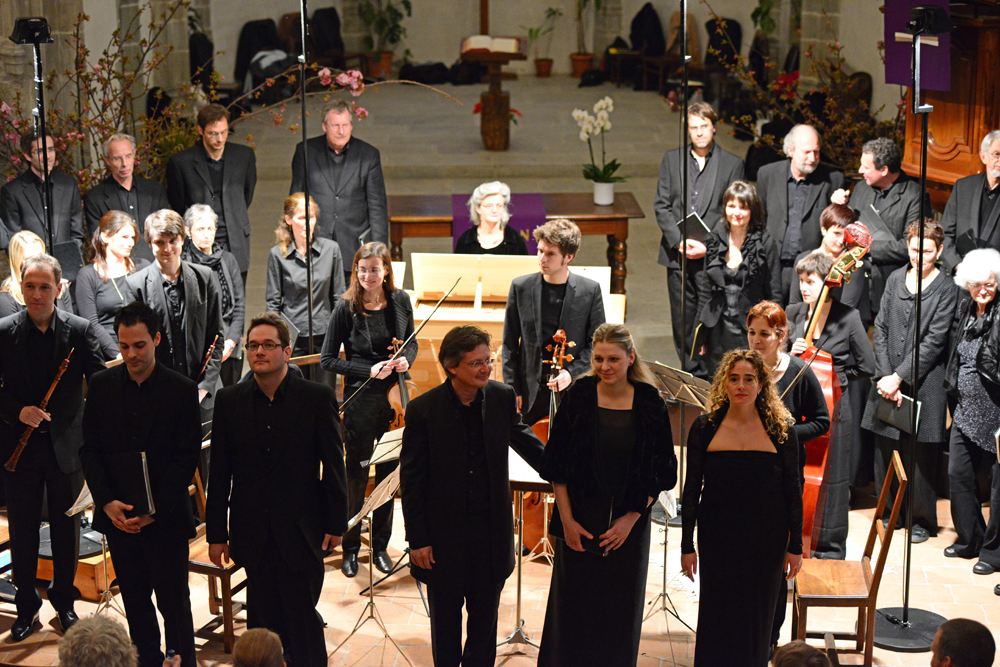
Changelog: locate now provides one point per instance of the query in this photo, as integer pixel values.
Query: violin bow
(402, 347)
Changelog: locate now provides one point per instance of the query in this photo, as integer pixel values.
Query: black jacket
(66, 404)
(432, 471)
(103, 197)
(572, 446)
(279, 493)
(170, 436)
(961, 224)
(772, 186)
(900, 207)
(189, 182)
(355, 204)
(763, 274)
(21, 208)
(988, 358)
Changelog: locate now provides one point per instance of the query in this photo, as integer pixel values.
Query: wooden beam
(484, 17)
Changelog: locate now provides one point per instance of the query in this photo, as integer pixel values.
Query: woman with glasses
(490, 234)
(371, 315)
(973, 384)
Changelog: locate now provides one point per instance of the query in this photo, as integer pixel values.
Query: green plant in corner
(384, 20)
(581, 22)
(535, 34)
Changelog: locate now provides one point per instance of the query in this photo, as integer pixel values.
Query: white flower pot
(604, 194)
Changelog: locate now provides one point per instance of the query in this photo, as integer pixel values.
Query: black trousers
(683, 332)
(155, 560)
(283, 600)
(481, 597)
(38, 474)
(921, 480)
(365, 421)
(967, 461)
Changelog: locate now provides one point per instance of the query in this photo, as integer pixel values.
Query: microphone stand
(303, 64)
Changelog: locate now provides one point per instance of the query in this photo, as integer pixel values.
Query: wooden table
(430, 216)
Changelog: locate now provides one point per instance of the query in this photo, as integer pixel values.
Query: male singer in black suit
(269, 438)
(124, 191)
(455, 488)
(221, 175)
(141, 407)
(33, 344)
(794, 193)
(710, 171)
(186, 298)
(896, 197)
(538, 305)
(971, 214)
(21, 199)
(345, 179)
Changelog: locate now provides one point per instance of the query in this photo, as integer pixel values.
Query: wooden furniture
(836, 583)
(966, 113)
(89, 580)
(220, 580)
(494, 124)
(615, 59)
(431, 216)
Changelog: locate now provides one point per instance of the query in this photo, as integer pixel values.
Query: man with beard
(971, 214)
(794, 193)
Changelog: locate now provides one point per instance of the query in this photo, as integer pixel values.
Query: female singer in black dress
(609, 454)
(365, 321)
(893, 341)
(102, 286)
(742, 268)
(840, 333)
(742, 490)
(200, 248)
(490, 234)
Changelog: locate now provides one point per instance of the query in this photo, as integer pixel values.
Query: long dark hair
(355, 292)
(112, 222)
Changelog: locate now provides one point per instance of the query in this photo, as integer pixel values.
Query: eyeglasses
(492, 207)
(977, 287)
(364, 272)
(269, 345)
(217, 135)
(476, 365)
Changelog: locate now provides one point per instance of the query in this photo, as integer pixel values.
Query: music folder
(595, 517)
(132, 480)
(876, 225)
(694, 227)
(901, 417)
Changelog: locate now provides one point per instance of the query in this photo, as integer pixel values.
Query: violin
(399, 394)
(556, 364)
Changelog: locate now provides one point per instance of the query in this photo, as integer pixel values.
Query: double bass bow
(857, 241)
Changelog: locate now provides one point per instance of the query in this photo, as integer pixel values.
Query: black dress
(748, 509)
(513, 243)
(99, 301)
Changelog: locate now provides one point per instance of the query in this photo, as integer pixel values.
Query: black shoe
(382, 561)
(67, 619)
(918, 534)
(22, 628)
(983, 568)
(951, 552)
(996, 590)
(349, 566)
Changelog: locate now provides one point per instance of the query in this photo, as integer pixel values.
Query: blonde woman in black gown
(742, 490)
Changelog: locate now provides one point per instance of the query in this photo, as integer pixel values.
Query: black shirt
(697, 179)
(478, 482)
(337, 161)
(41, 350)
(129, 199)
(138, 406)
(798, 191)
(215, 172)
(881, 194)
(552, 302)
(986, 204)
(173, 293)
(267, 416)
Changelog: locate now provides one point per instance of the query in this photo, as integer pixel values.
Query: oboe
(11, 464)
(208, 357)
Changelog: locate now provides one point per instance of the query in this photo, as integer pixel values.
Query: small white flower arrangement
(591, 126)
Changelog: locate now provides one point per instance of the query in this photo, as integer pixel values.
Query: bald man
(794, 193)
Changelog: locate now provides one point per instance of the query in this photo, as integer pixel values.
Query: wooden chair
(220, 580)
(833, 583)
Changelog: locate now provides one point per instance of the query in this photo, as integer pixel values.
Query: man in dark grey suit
(971, 214)
(218, 174)
(345, 179)
(538, 305)
(896, 198)
(21, 199)
(794, 193)
(124, 191)
(710, 171)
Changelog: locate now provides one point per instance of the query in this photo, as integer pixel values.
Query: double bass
(857, 241)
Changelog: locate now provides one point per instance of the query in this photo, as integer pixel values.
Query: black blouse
(513, 243)
(99, 301)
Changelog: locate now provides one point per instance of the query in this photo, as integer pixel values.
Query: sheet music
(83, 501)
(381, 495)
(387, 448)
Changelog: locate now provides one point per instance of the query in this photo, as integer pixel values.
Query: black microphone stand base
(914, 636)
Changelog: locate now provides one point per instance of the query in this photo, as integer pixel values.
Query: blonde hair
(283, 234)
(97, 641)
(258, 647)
(773, 412)
(18, 245)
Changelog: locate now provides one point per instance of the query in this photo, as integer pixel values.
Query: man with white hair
(794, 193)
(971, 214)
(123, 190)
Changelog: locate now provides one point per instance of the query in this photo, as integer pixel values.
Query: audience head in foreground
(97, 641)
(258, 647)
(799, 654)
(961, 642)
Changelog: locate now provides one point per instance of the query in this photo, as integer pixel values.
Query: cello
(857, 241)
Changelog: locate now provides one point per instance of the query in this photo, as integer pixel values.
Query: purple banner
(935, 61)
(526, 212)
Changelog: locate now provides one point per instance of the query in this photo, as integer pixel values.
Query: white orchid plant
(591, 126)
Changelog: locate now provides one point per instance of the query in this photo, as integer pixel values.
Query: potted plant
(384, 20)
(582, 59)
(591, 126)
(543, 66)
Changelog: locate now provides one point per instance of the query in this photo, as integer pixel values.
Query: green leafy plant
(761, 15)
(581, 22)
(592, 126)
(384, 20)
(545, 29)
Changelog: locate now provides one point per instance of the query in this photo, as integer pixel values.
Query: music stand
(382, 494)
(108, 601)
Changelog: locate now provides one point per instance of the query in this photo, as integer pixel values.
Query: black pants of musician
(921, 481)
(38, 473)
(683, 331)
(365, 421)
(481, 597)
(155, 560)
(967, 463)
(283, 599)
(313, 372)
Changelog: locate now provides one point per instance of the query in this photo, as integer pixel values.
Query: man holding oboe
(40, 436)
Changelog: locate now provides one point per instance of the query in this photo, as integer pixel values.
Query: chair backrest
(882, 533)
